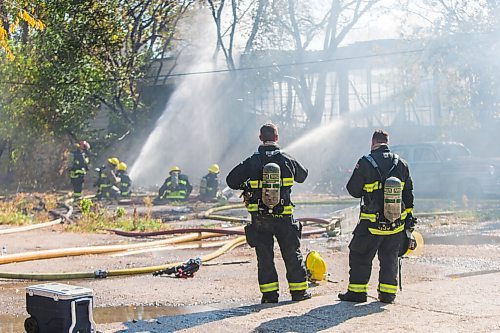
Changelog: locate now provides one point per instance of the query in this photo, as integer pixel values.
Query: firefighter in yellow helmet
(106, 188)
(267, 178)
(124, 181)
(175, 187)
(209, 185)
(78, 167)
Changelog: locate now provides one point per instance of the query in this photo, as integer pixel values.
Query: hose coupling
(100, 274)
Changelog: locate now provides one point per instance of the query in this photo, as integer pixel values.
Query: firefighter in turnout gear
(175, 187)
(124, 181)
(78, 167)
(266, 178)
(106, 188)
(209, 185)
(382, 181)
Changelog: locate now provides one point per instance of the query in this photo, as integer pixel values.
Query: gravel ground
(230, 281)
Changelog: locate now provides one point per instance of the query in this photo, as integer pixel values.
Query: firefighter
(124, 181)
(209, 185)
(382, 181)
(106, 188)
(266, 178)
(175, 187)
(78, 167)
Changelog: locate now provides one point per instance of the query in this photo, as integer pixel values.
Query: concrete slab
(464, 304)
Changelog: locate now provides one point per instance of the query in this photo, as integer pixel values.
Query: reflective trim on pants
(387, 288)
(358, 288)
(298, 286)
(265, 288)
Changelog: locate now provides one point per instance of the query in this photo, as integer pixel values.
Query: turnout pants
(287, 231)
(77, 184)
(363, 248)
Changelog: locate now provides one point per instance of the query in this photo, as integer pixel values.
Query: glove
(410, 222)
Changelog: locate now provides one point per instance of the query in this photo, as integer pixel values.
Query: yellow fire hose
(78, 251)
(119, 272)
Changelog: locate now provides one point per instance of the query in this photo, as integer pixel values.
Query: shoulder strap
(395, 161)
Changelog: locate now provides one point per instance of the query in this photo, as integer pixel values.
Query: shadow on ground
(321, 318)
(317, 319)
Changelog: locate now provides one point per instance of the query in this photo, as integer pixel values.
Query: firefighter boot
(353, 297)
(302, 295)
(386, 297)
(270, 297)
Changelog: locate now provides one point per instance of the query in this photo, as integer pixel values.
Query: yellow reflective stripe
(284, 182)
(367, 216)
(386, 232)
(358, 288)
(409, 210)
(287, 210)
(402, 185)
(387, 288)
(255, 184)
(296, 286)
(372, 186)
(182, 182)
(265, 288)
(253, 207)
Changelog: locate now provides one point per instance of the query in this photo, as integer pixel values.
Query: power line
(219, 71)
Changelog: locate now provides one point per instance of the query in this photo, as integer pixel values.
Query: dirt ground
(454, 247)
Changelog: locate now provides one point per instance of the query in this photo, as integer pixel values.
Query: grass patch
(96, 218)
(27, 208)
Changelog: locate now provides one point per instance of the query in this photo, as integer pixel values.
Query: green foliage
(86, 205)
(91, 54)
(98, 219)
(120, 212)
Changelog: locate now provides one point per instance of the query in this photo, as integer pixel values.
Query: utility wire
(218, 71)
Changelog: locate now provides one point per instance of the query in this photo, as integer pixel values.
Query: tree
(293, 26)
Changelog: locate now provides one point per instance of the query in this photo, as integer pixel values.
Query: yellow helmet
(114, 161)
(413, 244)
(316, 266)
(122, 166)
(175, 168)
(214, 168)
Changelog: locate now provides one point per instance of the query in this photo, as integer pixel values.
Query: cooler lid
(58, 290)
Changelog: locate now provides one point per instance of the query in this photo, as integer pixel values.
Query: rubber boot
(270, 297)
(386, 297)
(302, 295)
(353, 297)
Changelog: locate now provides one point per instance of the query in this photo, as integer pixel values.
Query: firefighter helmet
(175, 169)
(83, 145)
(316, 266)
(214, 168)
(413, 244)
(113, 161)
(122, 166)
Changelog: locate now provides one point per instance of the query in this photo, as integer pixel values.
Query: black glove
(410, 222)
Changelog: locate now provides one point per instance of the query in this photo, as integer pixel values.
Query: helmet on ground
(84, 145)
(175, 169)
(413, 244)
(113, 161)
(122, 166)
(316, 266)
(214, 168)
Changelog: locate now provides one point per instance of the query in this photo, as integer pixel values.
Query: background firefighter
(209, 184)
(375, 232)
(78, 167)
(176, 186)
(277, 221)
(107, 179)
(124, 181)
